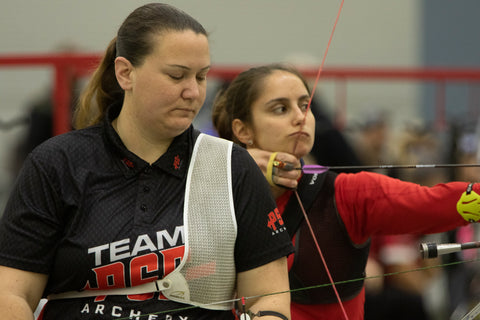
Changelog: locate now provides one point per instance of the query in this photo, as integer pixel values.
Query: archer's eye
(201, 77)
(304, 106)
(279, 109)
(176, 77)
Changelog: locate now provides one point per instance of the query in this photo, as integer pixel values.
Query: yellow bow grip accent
(468, 206)
(269, 175)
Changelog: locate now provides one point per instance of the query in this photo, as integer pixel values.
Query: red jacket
(375, 204)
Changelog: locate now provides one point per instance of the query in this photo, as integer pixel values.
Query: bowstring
(383, 275)
(320, 69)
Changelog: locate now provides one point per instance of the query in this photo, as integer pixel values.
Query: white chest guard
(208, 265)
(206, 275)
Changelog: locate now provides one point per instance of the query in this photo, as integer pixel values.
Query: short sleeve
(262, 236)
(30, 228)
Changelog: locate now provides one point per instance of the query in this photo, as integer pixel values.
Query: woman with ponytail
(135, 214)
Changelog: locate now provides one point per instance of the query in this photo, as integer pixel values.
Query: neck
(138, 141)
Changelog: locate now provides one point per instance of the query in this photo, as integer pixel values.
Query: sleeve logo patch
(275, 222)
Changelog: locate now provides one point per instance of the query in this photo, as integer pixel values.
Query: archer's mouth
(300, 134)
(187, 111)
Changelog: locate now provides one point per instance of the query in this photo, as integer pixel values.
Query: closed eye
(202, 77)
(175, 77)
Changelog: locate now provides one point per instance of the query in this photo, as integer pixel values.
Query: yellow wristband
(269, 175)
(468, 206)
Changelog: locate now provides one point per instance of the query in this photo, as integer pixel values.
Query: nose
(191, 89)
(298, 116)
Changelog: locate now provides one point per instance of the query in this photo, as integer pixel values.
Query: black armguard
(271, 313)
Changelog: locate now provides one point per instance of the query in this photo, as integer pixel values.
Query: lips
(300, 134)
(186, 110)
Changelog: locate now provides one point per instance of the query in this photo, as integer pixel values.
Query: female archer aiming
(265, 109)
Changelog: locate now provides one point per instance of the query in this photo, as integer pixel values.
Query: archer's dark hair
(134, 41)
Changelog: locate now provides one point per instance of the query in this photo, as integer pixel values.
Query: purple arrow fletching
(314, 168)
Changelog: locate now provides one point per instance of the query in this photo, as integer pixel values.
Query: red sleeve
(371, 203)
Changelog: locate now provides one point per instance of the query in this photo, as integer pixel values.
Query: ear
(123, 72)
(243, 133)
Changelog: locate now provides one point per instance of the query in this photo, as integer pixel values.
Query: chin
(301, 156)
(300, 150)
(178, 129)
(183, 123)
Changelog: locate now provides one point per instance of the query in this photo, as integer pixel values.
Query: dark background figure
(40, 124)
(331, 148)
(39, 128)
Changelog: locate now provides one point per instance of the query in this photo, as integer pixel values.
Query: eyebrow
(275, 100)
(281, 99)
(187, 68)
(305, 97)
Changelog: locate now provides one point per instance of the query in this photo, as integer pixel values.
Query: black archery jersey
(91, 214)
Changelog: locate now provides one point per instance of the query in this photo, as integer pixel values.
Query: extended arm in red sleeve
(371, 203)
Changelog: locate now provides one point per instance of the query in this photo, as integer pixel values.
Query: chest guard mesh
(345, 260)
(208, 265)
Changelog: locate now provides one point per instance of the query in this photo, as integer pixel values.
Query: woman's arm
(20, 292)
(263, 281)
(371, 203)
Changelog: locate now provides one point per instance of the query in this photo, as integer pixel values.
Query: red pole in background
(62, 99)
(67, 68)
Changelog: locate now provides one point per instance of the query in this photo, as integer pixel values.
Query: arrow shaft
(311, 169)
(406, 166)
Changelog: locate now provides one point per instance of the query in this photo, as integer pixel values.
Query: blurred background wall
(370, 33)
